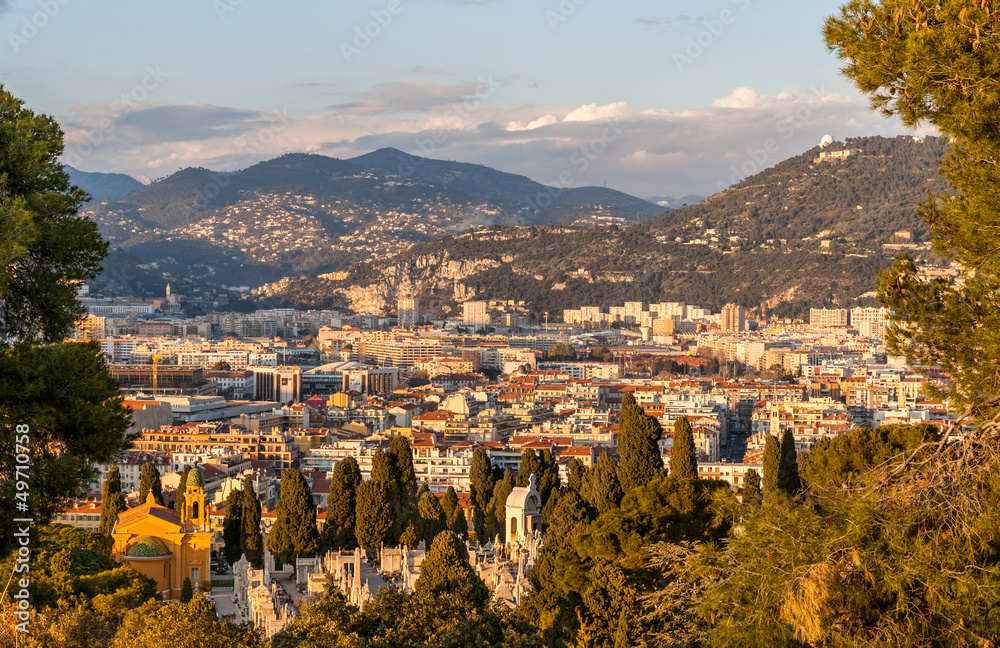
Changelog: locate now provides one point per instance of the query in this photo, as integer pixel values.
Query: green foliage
(89, 425)
(46, 249)
(458, 523)
(753, 495)
(891, 52)
(411, 537)
(384, 472)
(294, 532)
(446, 570)
(683, 461)
(666, 510)
(788, 465)
(561, 352)
(401, 459)
(340, 505)
(481, 480)
(577, 472)
(112, 501)
(600, 485)
(232, 526)
(433, 519)
(496, 523)
(149, 482)
(772, 459)
(192, 625)
(836, 462)
(449, 502)
(374, 514)
(187, 590)
(602, 354)
(181, 488)
(529, 466)
(251, 535)
(639, 459)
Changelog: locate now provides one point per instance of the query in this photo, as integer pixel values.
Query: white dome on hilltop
(826, 141)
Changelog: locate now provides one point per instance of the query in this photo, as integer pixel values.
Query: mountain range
(814, 230)
(310, 213)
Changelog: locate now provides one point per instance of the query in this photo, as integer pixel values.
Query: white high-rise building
(828, 317)
(409, 311)
(474, 314)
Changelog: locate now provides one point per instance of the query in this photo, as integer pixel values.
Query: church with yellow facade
(165, 545)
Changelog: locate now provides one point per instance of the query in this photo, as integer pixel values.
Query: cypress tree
(449, 502)
(232, 526)
(187, 591)
(181, 487)
(294, 532)
(639, 459)
(752, 493)
(458, 523)
(112, 501)
(602, 490)
(374, 515)
(433, 519)
(577, 471)
(548, 476)
(788, 466)
(149, 482)
(411, 537)
(401, 461)
(481, 479)
(341, 505)
(479, 525)
(529, 466)
(772, 457)
(683, 461)
(383, 472)
(446, 570)
(251, 536)
(498, 505)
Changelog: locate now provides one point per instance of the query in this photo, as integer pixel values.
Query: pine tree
(601, 488)
(149, 482)
(294, 532)
(752, 493)
(788, 466)
(374, 515)
(529, 466)
(433, 519)
(341, 504)
(384, 473)
(251, 536)
(772, 457)
(181, 487)
(639, 459)
(683, 461)
(187, 591)
(232, 526)
(446, 570)
(481, 479)
(112, 501)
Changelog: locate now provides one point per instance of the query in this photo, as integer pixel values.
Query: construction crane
(156, 361)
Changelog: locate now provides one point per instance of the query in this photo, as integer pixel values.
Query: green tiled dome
(147, 547)
(195, 479)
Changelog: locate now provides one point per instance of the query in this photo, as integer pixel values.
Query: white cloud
(652, 151)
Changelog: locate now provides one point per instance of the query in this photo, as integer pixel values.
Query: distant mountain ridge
(103, 186)
(301, 212)
(806, 232)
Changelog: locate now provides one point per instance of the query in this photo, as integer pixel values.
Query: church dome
(147, 547)
(195, 479)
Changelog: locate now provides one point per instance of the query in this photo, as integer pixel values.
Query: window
(194, 574)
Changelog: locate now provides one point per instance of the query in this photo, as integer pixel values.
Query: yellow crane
(156, 361)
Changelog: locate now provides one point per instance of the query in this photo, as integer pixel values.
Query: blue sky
(654, 98)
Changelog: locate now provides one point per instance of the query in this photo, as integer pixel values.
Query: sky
(649, 97)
